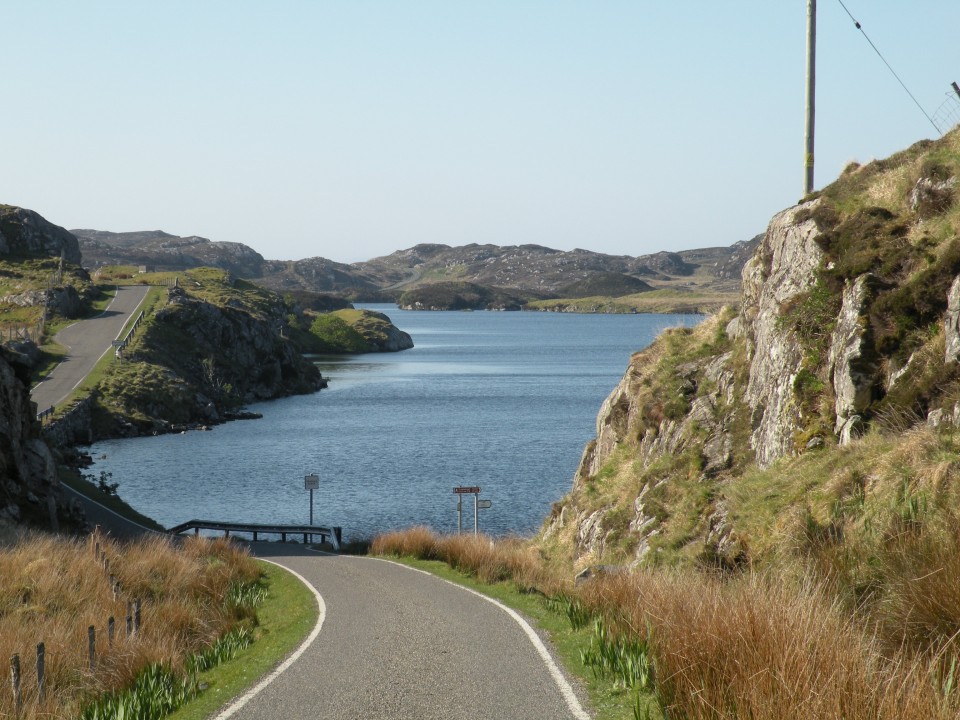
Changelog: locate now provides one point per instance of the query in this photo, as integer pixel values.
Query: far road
(87, 341)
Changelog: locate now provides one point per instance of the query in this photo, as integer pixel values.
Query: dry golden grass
(53, 589)
(776, 645)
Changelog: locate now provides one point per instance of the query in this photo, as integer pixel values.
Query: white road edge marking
(565, 688)
(250, 694)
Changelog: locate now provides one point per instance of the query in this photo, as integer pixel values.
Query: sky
(355, 128)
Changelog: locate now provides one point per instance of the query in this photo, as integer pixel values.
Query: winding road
(400, 644)
(87, 341)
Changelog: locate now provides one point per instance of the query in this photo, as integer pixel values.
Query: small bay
(501, 400)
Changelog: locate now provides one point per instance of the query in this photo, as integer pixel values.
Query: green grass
(608, 701)
(286, 617)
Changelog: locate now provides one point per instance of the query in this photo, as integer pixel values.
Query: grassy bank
(783, 642)
(54, 589)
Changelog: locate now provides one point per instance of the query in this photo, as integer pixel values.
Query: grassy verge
(73, 480)
(287, 615)
(608, 701)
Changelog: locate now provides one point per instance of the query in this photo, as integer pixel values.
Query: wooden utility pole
(811, 96)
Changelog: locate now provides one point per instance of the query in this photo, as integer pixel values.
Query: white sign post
(311, 483)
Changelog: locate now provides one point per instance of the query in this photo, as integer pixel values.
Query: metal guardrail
(333, 535)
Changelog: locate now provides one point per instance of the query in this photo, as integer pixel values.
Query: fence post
(110, 630)
(92, 646)
(136, 616)
(41, 672)
(15, 681)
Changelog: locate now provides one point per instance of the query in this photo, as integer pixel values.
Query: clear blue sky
(351, 129)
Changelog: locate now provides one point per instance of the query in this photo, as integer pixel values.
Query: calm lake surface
(501, 400)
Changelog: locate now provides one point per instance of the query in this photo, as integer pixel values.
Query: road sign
(483, 504)
(466, 490)
(311, 482)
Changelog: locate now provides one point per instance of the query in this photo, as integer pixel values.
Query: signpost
(311, 483)
(478, 504)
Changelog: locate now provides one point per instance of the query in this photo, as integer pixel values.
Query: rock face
(851, 373)
(23, 233)
(28, 476)
(782, 268)
(233, 346)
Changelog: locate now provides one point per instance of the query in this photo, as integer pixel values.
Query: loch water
(501, 400)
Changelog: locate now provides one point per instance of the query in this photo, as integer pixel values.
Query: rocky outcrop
(28, 475)
(64, 301)
(951, 323)
(230, 346)
(382, 334)
(24, 234)
(851, 372)
(783, 267)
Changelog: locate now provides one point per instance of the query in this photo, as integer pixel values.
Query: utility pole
(811, 96)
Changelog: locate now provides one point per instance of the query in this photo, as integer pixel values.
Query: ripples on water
(505, 401)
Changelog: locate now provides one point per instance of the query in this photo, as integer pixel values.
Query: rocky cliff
(848, 325)
(31, 489)
(24, 234)
(209, 345)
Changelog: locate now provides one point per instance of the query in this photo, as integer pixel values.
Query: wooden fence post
(111, 630)
(15, 681)
(41, 672)
(92, 646)
(136, 617)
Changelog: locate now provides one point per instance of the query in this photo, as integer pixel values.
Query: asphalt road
(87, 341)
(399, 644)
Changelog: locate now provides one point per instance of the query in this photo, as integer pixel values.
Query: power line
(880, 55)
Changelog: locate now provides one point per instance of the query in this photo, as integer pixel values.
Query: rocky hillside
(162, 251)
(31, 491)
(791, 415)
(209, 345)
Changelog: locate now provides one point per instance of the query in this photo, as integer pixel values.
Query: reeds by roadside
(53, 589)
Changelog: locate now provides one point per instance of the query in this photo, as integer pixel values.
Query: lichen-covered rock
(783, 267)
(852, 373)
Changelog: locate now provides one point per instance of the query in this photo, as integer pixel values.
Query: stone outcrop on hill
(24, 234)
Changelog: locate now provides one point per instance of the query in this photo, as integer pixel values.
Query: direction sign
(483, 504)
(311, 482)
(466, 490)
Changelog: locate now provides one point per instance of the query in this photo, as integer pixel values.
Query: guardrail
(44, 414)
(121, 344)
(333, 535)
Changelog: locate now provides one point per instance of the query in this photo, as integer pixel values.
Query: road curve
(87, 341)
(399, 644)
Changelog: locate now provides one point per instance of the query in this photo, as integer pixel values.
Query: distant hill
(496, 276)
(163, 251)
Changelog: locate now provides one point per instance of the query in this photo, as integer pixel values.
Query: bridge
(333, 535)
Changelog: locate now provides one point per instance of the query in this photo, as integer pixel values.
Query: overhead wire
(880, 55)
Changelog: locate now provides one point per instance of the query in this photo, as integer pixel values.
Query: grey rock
(852, 375)
(815, 442)
(931, 196)
(783, 267)
(951, 323)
